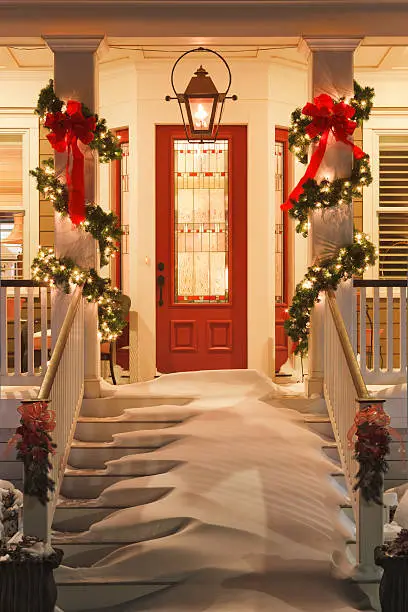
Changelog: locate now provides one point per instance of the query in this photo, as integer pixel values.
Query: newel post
(75, 78)
(331, 73)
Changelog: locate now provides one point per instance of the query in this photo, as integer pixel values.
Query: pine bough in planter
(393, 558)
(26, 575)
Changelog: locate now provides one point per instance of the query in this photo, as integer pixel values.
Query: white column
(331, 73)
(75, 78)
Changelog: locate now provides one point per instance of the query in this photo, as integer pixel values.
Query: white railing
(380, 330)
(24, 324)
(63, 385)
(344, 390)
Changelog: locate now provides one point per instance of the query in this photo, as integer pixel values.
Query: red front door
(201, 251)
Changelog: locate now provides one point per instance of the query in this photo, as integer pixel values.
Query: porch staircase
(127, 458)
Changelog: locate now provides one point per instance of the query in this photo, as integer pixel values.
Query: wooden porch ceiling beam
(203, 18)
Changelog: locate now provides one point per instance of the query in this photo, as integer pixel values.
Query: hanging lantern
(202, 101)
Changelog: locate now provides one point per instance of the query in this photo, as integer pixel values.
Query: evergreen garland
(322, 276)
(65, 273)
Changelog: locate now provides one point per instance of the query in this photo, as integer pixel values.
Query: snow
(250, 502)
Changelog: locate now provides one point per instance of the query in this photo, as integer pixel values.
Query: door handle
(160, 282)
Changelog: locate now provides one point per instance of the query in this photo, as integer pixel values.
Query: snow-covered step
(80, 517)
(85, 549)
(96, 454)
(320, 425)
(11, 470)
(132, 467)
(98, 595)
(331, 450)
(91, 486)
(115, 405)
(101, 430)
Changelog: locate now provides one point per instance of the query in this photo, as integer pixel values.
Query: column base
(314, 386)
(92, 388)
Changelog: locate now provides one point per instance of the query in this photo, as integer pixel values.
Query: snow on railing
(380, 330)
(24, 332)
(344, 387)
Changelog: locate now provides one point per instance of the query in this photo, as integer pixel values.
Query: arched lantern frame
(201, 100)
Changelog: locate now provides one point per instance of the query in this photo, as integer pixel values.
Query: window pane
(393, 202)
(11, 170)
(11, 241)
(201, 222)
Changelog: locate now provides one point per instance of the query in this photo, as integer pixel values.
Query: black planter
(394, 583)
(28, 585)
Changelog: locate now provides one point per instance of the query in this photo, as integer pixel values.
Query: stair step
(83, 550)
(82, 517)
(141, 492)
(115, 405)
(98, 455)
(320, 425)
(103, 593)
(331, 451)
(131, 468)
(102, 430)
(144, 439)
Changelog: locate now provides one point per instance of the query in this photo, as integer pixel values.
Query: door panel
(201, 200)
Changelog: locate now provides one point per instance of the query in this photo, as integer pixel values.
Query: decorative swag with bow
(67, 128)
(328, 117)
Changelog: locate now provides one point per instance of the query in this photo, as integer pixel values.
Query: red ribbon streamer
(66, 129)
(327, 117)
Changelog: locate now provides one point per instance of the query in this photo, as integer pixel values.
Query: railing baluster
(30, 331)
(44, 325)
(355, 322)
(363, 337)
(3, 331)
(390, 330)
(17, 331)
(403, 331)
(376, 329)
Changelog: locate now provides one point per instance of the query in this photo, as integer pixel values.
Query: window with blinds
(393, 206)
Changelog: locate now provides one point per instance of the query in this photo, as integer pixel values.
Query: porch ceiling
(379, 53)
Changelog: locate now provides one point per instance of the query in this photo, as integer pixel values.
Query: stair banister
(344, 390)
(58, 351)
(63, 386)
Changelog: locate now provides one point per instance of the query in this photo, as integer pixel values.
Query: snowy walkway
(253, 487)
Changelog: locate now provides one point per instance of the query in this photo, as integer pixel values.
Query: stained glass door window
(201, 222)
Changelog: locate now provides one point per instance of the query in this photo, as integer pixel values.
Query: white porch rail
(24, 321)
(343, 388)
(380, 330)
(63, 385)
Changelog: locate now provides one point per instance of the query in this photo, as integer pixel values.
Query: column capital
(74, 43)
(328, 43)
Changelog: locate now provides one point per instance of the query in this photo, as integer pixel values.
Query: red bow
(327, 116)
(66, 129)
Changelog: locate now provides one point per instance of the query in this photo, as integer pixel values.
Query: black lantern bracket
(201, 91)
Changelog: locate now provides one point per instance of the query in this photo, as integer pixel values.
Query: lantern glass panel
(202, 113)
